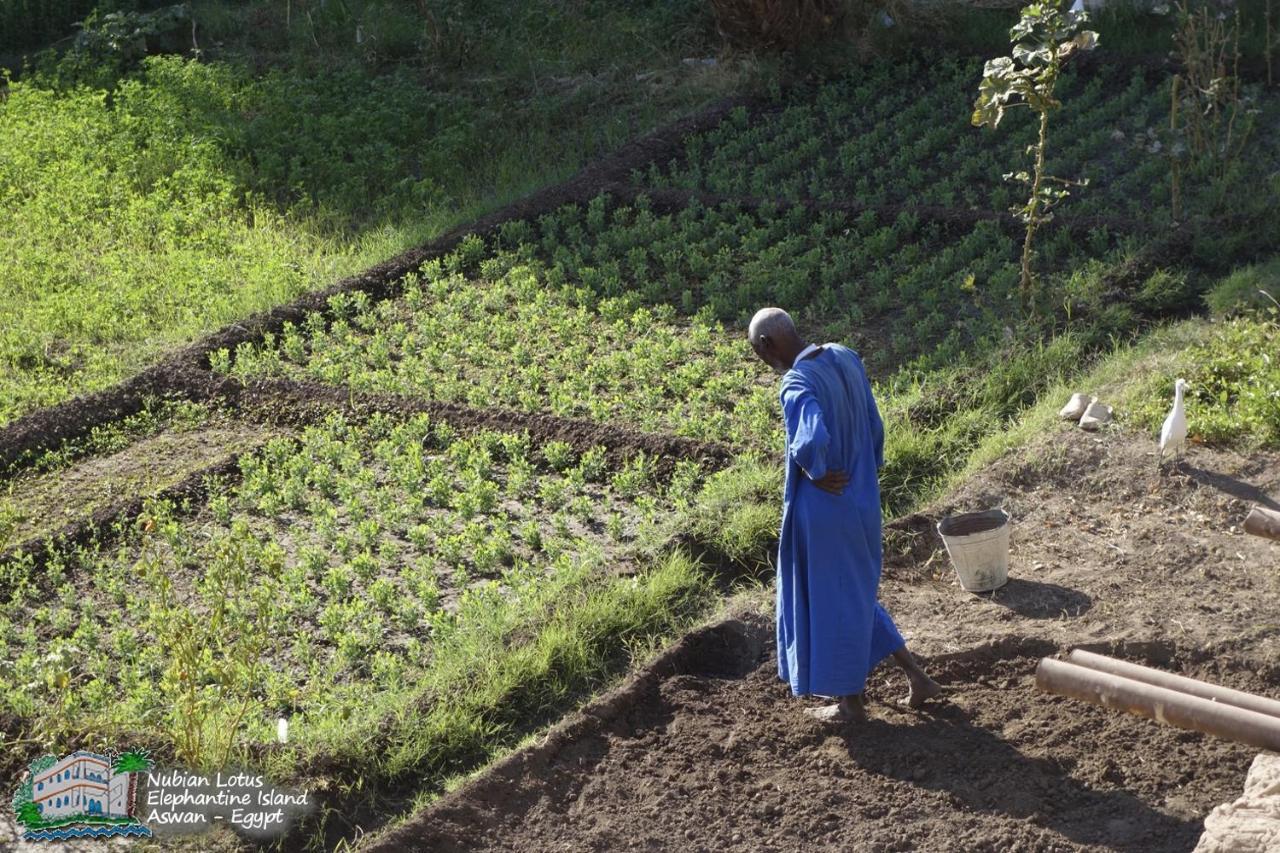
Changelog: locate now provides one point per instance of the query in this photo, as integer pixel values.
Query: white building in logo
(80, 784)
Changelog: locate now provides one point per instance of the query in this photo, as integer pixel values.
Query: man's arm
(807, 436)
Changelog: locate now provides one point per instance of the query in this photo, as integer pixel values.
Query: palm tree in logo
(133, 762)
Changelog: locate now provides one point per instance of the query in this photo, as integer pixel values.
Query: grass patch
(1234, 401)
(142, 211)
(1234, 370)
(1252, 288)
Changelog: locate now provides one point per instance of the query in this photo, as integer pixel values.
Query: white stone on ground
(1075, 407)
(1095, 416)
(1251, 824)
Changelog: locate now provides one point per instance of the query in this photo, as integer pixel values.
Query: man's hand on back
(833, 481)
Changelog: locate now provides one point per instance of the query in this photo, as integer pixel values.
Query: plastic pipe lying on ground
(1181, 683)
(1263, 522)
(1159, 703)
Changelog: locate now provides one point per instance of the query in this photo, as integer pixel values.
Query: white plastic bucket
(978, 544)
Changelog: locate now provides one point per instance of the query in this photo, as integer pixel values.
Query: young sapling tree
(1044, 38)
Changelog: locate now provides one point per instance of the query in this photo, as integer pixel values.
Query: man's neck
(805, 351)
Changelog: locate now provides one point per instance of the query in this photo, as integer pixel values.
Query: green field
(338, 558)
(145, 209)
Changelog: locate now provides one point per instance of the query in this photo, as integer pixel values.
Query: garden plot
(519, 341)
(116, 466)
(708, 750)
(318, 584)
(617, 313)
(900, 134)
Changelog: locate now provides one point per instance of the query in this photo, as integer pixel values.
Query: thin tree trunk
(1175, 166)
(1033, 218)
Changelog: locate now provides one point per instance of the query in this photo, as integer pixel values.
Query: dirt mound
(299, 402)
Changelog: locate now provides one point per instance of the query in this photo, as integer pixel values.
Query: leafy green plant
(213, 658)
(1234, 375)
(110, 43)
(1044, 38)
(559, 454)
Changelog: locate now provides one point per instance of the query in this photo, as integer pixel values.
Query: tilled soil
(721, 760)
(47, 502)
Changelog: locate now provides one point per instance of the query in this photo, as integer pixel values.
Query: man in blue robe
(831, 630)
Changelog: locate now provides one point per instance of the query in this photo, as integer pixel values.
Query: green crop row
(521, 338)
(898, 285)
(341, 554)
(575, 316)
(901, 134)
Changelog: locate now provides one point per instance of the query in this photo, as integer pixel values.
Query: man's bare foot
(923, 688)
(848, 709)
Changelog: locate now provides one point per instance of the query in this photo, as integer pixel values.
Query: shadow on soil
(1037, 600)
(1230, 485)
(985, 773)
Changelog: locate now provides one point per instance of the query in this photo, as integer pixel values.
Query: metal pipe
(1158, 703)
(1263, 522)
(1181, 683)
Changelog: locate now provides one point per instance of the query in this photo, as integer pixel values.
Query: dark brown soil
(51, 426)
(716, 754)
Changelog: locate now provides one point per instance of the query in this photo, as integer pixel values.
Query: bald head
(774, 338)
(771, 322)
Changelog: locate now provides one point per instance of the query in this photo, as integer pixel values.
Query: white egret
(282, 730)
(1173, 435)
